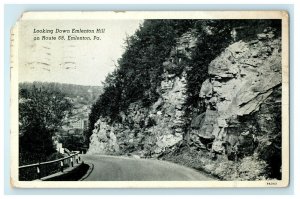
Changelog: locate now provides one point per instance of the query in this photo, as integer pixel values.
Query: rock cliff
(242, 118)
(149, 132)
(242, 95)
(243, 104)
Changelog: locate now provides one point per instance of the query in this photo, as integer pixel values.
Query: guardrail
(42, 169)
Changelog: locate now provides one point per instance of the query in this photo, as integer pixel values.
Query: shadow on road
(74, 175)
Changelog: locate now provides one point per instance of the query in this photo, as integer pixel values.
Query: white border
(151, 15)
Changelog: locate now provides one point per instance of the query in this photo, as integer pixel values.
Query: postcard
(150, 99)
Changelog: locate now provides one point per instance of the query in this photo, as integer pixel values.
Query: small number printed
(271, 183)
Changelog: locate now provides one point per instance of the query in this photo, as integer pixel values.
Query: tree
(138, 72)
(73, 142)
(41, 113)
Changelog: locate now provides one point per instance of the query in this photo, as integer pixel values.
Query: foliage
(73, 142)
(252, 168)
(139, 71)
(41, 113)
(248, 168)
(269, 150)
(27, 157)
(82, 94)
(30, 173)
(213, 37)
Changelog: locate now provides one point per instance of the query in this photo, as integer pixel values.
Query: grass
(247, 169)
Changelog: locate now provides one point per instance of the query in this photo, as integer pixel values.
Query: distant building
(59, 147)
(79, 124)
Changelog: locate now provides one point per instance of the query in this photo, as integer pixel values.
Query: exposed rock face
(149, 132)
(103, 139)
(169, 117)
(242, 96)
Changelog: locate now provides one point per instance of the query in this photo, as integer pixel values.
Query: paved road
(115, 168)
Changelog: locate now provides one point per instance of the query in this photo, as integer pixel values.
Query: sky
(75, 62)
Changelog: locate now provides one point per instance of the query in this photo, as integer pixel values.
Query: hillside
(82, 94)
(81, 98)
(202, 93)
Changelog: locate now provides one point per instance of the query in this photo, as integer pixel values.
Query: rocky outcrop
(103, 139)
(242, 118)
(169, 116)
(149, 132)
(242, 97)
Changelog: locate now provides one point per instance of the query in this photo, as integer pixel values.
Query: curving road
(116, 168)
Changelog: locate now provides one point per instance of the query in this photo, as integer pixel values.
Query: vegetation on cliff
(210, 88)
(138, 72)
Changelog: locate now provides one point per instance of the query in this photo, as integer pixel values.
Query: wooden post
(38, 171)
(61, 166)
